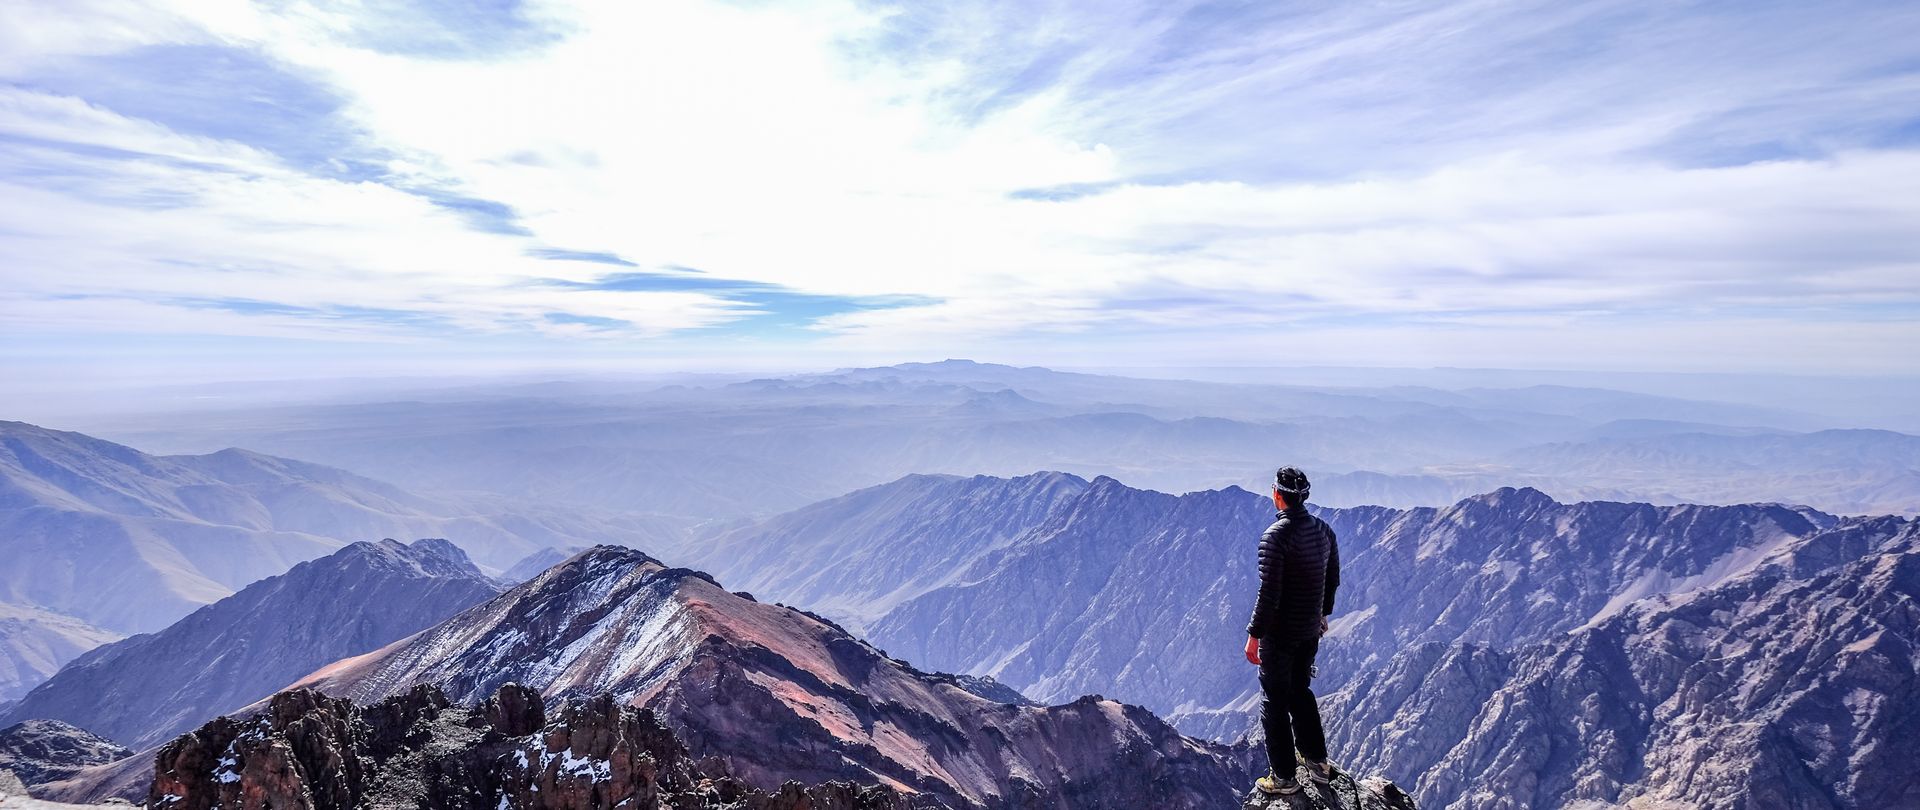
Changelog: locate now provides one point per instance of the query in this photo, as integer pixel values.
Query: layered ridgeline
(1144, 596)
(781, 695)
(1059, 586)
(144, 690)
(101, 540)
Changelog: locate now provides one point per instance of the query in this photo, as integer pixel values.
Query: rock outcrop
(417, 749)
(146, 689)
(39, 751)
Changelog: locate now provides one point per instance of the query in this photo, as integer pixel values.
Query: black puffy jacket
(1299, 571)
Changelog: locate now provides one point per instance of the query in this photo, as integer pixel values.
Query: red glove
(1253, 651)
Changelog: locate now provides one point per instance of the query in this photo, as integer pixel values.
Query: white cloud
(792, 145)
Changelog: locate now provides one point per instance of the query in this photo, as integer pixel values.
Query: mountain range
(101, 540)
(1144, 596)
(146, 689)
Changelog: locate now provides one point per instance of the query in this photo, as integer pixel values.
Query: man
(1299, 571)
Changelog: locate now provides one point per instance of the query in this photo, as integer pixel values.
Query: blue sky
(391, 186)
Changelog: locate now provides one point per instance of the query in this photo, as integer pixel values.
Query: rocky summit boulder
(1342, 792)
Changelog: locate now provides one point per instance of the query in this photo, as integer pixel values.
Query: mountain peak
(777, 692)
(147, 688)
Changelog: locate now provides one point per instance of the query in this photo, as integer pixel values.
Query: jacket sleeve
(1271, 563)
(1333, 572)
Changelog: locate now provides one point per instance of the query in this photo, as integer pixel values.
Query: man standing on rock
(1299, 571)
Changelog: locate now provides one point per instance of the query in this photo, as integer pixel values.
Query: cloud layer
(1482, 183)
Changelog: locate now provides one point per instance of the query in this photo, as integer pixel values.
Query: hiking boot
(1274, 785)
(1320, 770)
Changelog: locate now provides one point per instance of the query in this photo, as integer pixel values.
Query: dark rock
(312, 752)
(39, 751)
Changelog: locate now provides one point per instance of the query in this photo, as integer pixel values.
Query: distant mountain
(39, 751)
(533, 565)
(781, 695)
(1788, 684)
(1860, 472)
(148, 688)
(34, 643)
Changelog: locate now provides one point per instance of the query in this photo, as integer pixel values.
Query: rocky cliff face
(39, 751)
(1791, 684)
(146, 689)
(307, 751)
(781, 695)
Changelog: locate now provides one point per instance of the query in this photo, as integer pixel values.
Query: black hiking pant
(1288, 712)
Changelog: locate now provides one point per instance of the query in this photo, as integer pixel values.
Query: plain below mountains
(752, 448)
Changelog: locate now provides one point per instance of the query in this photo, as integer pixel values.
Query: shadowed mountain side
(1792, 684)
(148, 688)
(857, 556)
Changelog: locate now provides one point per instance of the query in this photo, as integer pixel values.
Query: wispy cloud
(1508, 181)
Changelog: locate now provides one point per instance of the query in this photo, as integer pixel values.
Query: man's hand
(1323, 625)
(1253, 651)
